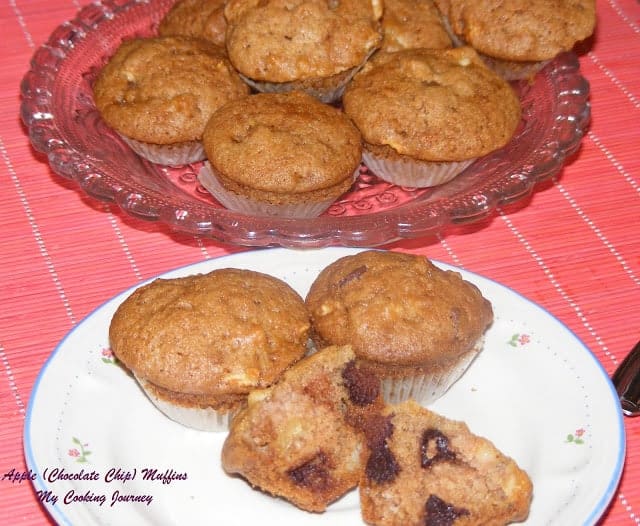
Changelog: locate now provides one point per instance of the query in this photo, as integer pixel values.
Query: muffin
(299, 439)
(199, 344)
(425, 469)
(283, 154)
(413, 24)
(427, 114)
(413, 325)
(310, 45)
(158, 94)
(196, 18)
(518, 37)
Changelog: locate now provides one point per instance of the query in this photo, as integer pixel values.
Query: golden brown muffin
(426, 114)
(199, 344)
(280, 154)
(413, 23)
(313, 45)
(196, 18)
(427, 470)
(519, 36)
(158, 94)
(296, 439)
(414, 325)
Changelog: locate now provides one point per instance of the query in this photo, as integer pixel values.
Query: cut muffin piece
(427, 470)
(299, 439)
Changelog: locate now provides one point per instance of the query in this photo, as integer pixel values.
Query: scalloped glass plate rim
(409, 220)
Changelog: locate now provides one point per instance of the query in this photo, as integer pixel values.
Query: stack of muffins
(379, 336)
(283, 99)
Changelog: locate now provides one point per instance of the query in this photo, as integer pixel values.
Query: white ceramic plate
(536, 391)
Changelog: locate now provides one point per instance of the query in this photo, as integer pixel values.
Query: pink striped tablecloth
(573, 247)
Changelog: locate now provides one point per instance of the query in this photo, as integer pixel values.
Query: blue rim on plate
(299, 267)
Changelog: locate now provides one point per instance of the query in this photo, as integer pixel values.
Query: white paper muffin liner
(327, 95)
(239, 203)
(511, 70)
(414, 173)
(324, 91)
(507, 70)
(427, 388)
(168, 154)
(202, 419)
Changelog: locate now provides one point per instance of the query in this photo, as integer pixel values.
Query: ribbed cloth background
(573, 247)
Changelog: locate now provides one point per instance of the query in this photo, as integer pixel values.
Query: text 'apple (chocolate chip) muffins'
(426, 114)
(299, 439)
(518, 37)
(158, 94)
(417, 327)
(199, 344)
(427, 470)
(413, 24)
(310, 45)
(283, 154)
(196, 18)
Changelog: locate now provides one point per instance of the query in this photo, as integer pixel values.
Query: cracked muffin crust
(414, 325)
(281, 154)
(199, 344)
(427, 470)
(158, 94)
(300, 439)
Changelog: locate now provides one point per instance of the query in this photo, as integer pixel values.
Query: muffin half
(300, 438)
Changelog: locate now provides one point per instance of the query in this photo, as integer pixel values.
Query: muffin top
(163, 90)
(433, 105)
(520, 30)
(396, 309)
(411, 24)
(196, 18)
(427, 469)
(290, 40)
(282, 145)
(224, 332)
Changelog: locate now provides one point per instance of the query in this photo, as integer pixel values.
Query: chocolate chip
(312, 474)
(363, 386)
(435, 448)
(382, 465)
(441, 513)
(354, 274)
